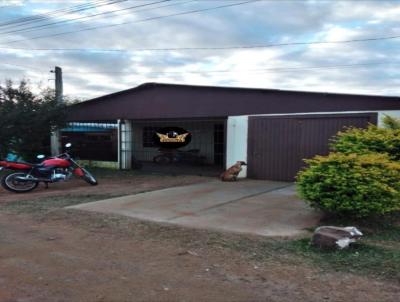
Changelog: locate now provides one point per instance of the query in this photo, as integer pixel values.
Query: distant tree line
(27, 119)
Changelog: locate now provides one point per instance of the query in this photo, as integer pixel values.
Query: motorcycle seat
(25, 163)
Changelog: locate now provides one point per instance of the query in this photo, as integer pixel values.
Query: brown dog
(232, 173)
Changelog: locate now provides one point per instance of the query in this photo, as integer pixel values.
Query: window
(148, 137)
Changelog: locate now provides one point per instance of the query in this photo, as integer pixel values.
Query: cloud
(91, 74)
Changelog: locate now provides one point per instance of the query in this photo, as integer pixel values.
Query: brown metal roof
(156, 101)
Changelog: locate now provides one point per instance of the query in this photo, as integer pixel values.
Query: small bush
(390, 122)
(372, 139)
(351, 184)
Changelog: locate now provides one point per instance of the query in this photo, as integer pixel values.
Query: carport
(128, 144)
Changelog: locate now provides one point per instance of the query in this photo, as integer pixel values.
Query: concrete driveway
(249, 206)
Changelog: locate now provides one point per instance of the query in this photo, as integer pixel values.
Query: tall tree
(27, 119)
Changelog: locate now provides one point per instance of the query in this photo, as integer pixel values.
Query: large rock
(335, 237)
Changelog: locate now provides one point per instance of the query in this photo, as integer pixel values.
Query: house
(273, 130)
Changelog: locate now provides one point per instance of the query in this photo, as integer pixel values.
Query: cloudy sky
(104, 46)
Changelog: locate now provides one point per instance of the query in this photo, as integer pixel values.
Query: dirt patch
(68, 257)
(111, 185)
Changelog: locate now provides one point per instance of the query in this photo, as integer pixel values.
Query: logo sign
(172, 137)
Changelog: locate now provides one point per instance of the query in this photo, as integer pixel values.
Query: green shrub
(351, 184)
(372, 139)
(390, 122)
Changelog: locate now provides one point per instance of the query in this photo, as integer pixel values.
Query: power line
(64, 11)
(271, 45)
(275, 69)
(207, 48)
(45, 26)
(39, 16)
(137, 21)
(74, 9)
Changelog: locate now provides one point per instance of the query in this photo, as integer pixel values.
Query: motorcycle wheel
(89, 178)
(11, 184)
(162, 160)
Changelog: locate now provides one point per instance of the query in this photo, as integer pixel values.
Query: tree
(27, 119)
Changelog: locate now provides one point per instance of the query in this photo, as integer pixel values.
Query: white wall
(125, 146)
(236, 143)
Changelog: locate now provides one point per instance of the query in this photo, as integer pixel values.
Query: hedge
(372, 139)
(351, 184)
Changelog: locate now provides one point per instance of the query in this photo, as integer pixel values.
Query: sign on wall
(172, 137)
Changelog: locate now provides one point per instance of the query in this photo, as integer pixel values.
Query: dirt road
(57, 260)
(54, 255)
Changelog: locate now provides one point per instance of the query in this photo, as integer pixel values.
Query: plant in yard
(351, 184)
(27, 120)
(372, 139)
(390, 122)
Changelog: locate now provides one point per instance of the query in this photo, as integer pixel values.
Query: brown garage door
(278, 145)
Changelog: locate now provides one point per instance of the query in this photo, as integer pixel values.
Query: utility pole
(59, 84)
(55, 138)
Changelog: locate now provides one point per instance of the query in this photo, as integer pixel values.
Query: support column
(125, 146)
(236, 143)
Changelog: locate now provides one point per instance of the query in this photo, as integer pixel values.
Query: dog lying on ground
(232, 173)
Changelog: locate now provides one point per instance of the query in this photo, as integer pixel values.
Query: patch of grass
(391, 233)
(377, 253)
(361, 258)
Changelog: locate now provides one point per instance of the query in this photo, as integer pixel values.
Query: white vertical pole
(236, 149)
(119, 145)
(125, 144)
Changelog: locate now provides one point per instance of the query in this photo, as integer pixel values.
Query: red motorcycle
(55, 169)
